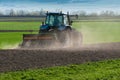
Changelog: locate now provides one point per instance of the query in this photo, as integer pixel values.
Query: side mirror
(42, 23)
(71, 22)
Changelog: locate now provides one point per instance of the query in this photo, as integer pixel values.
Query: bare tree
(42, 12)
(1, 13)
(94, 14)
(82, 13)
(12, 12)
(107, 13)
(21, 13)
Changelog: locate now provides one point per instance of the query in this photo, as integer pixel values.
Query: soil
(22, 59)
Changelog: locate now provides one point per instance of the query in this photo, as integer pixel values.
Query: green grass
(8, 40)
(99, 32)
(93, 32)
(103, 70)
(19, 25)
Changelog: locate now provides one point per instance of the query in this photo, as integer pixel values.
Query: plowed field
(21, 59)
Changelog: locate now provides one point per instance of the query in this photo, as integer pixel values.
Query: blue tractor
(56, 30)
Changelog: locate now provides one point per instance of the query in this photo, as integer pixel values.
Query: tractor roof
(53, 13)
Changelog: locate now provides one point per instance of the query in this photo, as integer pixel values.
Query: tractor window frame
(66, 21)
(47, 20)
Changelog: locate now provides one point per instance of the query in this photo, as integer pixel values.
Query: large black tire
(64, 38)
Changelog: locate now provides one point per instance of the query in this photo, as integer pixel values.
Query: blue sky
(64, 5)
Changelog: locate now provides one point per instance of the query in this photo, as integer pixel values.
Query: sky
(62, 5)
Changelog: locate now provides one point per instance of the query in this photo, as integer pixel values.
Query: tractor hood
(61, 28)
(47, 27)
(44, 27)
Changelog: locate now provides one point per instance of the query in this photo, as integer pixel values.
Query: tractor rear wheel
(77, 39)
(65, 38)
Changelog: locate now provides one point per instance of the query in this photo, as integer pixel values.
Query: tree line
(14, 13)
(105, 13)
(41, 12)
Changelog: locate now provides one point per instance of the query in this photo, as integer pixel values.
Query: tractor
(55, 30)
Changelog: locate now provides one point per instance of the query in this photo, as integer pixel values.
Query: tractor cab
(56, 21)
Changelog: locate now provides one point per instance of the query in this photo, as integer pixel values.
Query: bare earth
(21, 59)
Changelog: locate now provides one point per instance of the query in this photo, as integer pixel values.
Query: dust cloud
(70, 43)
(9, 46)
